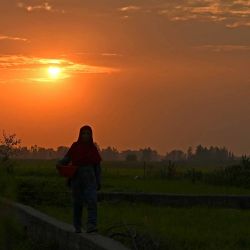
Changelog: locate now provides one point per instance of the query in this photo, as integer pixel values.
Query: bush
(169, 171)
(193, 174)
(235, 175)
(42, 191)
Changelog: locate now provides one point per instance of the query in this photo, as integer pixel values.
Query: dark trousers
(84, 193)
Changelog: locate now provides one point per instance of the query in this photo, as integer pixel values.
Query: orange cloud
(223, 48)
(130, 8)
(234, 13)
(238, 24)
(44, 6)
(35, 67)
(13, 38)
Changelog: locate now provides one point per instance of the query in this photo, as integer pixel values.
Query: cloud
(230, 12)
(37, 67)
(130, 8)
(43, 6)
(13, 38)
(238, 24)
(234, 13)
(111, 54)
(222, 48)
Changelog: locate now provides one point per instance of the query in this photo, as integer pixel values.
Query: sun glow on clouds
(25, 68)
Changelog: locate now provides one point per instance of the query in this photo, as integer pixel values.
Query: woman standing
(87, 179)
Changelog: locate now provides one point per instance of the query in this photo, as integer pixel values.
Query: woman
(86, 180)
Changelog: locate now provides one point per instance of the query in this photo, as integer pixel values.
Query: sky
(142, 73)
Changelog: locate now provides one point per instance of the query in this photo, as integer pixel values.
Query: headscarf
(82, 152)
(86, 127)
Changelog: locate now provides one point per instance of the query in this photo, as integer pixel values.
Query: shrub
(234, 175)
(193, 174)
(42, 191)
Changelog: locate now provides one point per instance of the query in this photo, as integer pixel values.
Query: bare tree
(9, 147)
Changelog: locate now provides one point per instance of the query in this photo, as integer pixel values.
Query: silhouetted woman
(87, 179)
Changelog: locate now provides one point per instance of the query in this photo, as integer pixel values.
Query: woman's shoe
(78, 231)
(91, 228)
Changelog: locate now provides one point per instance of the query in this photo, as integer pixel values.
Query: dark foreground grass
(12, 233)
(174, 228)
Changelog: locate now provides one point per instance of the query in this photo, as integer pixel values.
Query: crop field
(142, 226)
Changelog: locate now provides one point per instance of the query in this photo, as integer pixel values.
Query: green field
(120, 176)
(36, 183)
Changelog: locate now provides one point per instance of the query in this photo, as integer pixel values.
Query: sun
(54, 72)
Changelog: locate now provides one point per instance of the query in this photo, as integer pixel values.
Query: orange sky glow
(164, 74)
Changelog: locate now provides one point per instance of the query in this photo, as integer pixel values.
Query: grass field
(120, 176)
(36, 183)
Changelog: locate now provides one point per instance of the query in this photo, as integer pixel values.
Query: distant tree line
(109, 153)
(200, 154)
(10, 145)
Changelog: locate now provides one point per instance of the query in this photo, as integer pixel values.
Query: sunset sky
(164, 74)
